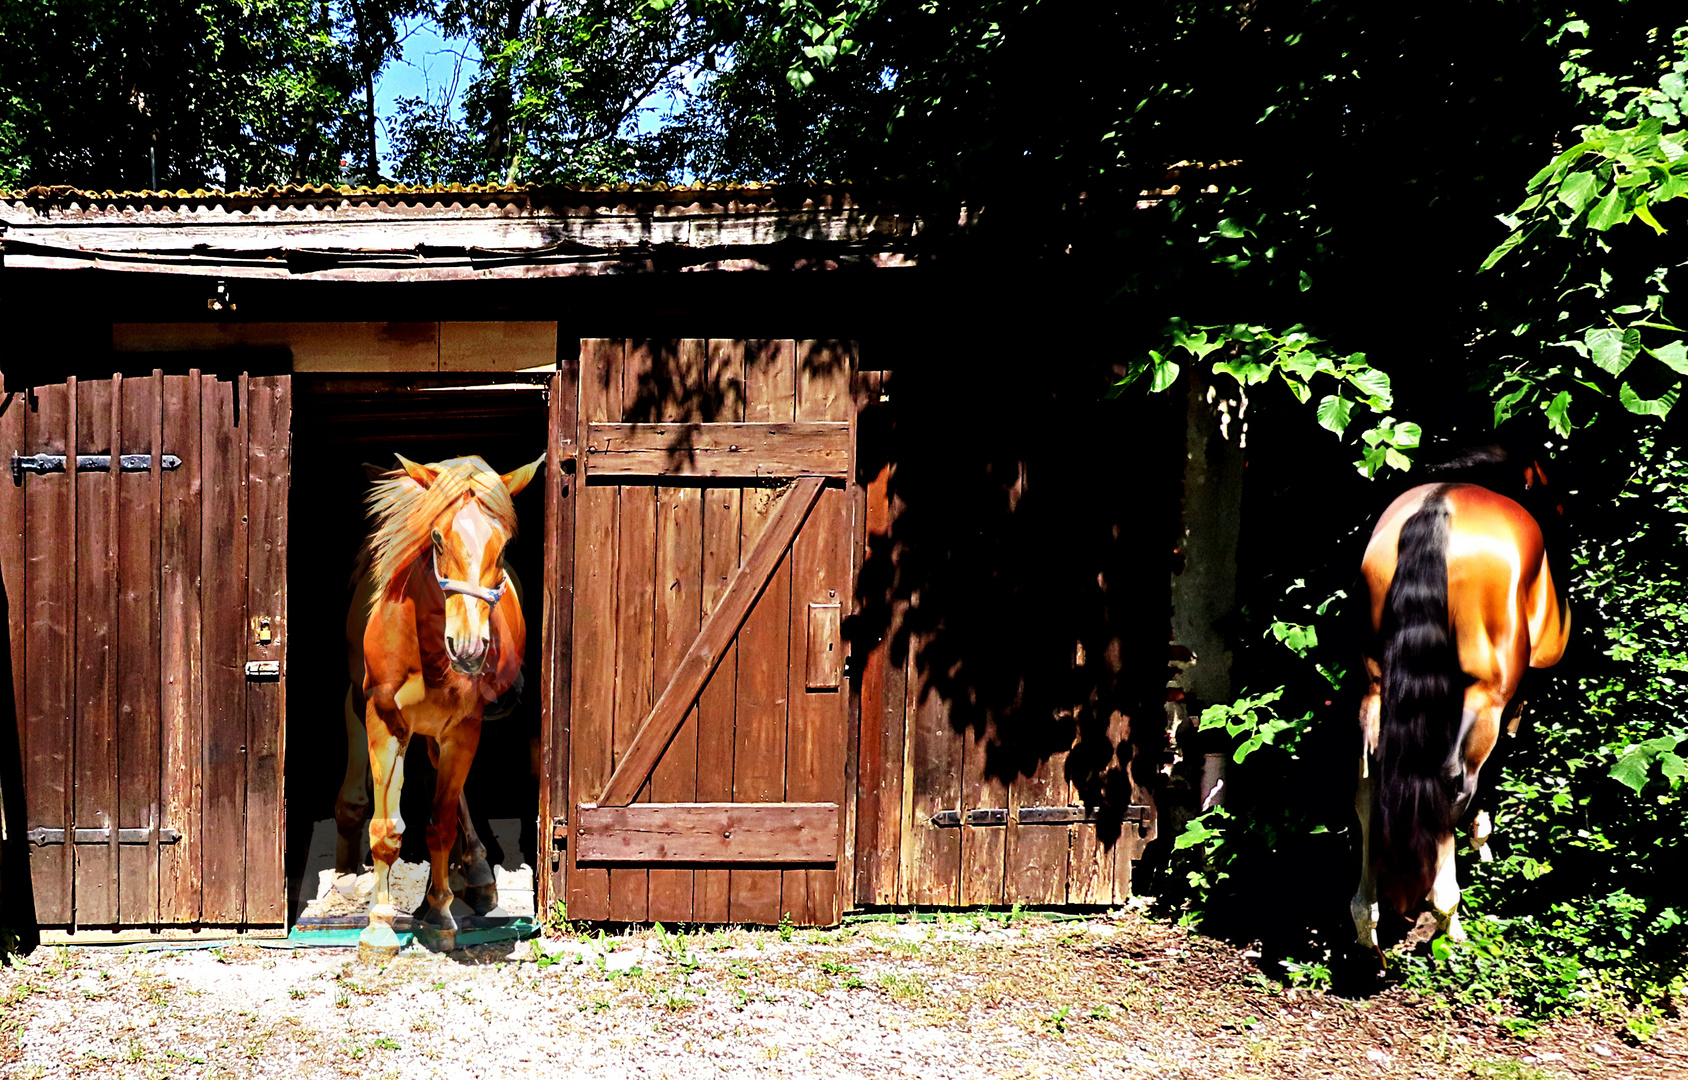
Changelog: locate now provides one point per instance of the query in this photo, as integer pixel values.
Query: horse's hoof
(436, 939)
(481, 898)
(378, 943)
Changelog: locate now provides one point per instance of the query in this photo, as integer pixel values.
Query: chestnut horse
(478, 887)
(445, 637)
(1462, 602)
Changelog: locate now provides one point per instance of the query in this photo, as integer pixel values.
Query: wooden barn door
(144, 568)
(712, 563)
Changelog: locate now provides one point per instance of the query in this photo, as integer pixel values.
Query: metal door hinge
(41, 837)
(263, 669)
(51, 463)
(1037, 815)
(559, 840)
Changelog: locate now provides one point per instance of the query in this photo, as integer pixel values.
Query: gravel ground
(962, 997)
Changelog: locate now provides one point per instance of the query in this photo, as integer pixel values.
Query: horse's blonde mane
(404, 512)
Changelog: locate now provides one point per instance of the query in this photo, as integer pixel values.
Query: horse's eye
(439, 541)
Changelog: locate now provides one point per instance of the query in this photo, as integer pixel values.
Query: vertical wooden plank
(718, 704)
(268, 455)
(556, 703)
(817, 736)
(1090, 869)
(678, 615)
(14, 432)
(765, 640)
(137, 656)
(95, 796)
(911, 719)
(982, 847)
(225, 416)
(180, 658)
(49, 605)
(592, 717)
(936, 754)
(636, 602)
(1037, 854)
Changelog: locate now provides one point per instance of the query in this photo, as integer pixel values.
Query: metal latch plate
(263, 669)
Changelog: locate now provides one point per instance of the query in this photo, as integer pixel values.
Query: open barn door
(144, 565)
(709, 725)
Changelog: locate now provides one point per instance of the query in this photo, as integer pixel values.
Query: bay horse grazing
(445, 637)
(1462, 603)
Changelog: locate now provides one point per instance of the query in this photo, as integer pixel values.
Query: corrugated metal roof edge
(487, 194)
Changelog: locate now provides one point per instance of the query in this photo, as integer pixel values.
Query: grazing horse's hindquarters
(445, 637)
(1462, 603)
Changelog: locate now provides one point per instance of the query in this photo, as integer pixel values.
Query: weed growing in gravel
(342, 1000)
(741, 998)
(1058, 1019)
(385, 1043)
(902, 986)
(785, 926)
(296, 993)
(675, 1002)
(1506, 1069)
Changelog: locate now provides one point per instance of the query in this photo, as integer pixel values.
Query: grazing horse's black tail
(1421, 707)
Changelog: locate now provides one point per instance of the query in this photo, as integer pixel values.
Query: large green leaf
(1659, 406)
(1334, 412)
(1612, 349)
(1610, 211)
(1576, 191)
(1673, 356)
(1558, 413)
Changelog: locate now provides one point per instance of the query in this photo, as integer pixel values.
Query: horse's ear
(515, 481)
(422, 474)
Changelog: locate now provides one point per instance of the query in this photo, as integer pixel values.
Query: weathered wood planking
(558, 627)
(718, 703)
(50, 610)
(759, 759)
(719, 450)
(635, 657)
(936, 760)
(269, 413)
(226, 418)
(592, 714)
(95, 748)
(982, 847)
(1037, 854)
(180, 659)
(820, 575)
(777, 833)
(679, 601)
(880, 772)
(694, 666)
(138, 730)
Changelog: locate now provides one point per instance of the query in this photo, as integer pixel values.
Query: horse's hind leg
(1479, 731)
(351, 807)
(480, 890)
(1363, 907)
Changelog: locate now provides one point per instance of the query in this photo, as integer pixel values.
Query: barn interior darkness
(340, 426)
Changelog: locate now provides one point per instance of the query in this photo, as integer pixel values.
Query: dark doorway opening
(340, 425)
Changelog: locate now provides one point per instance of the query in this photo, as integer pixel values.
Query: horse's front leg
(1363, 907)
(456, 748)
(387, 738)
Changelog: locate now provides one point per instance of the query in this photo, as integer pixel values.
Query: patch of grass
(676, 1002)
(1506, 1069)
(342, 1000)
(785, 927)
(384, 1043)
(904, 987)
(833, 967)
(296, 993)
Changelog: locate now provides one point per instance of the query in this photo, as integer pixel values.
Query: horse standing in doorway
(444, 638)
(1462, 603)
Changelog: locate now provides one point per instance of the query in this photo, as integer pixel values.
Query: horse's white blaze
(468, 621)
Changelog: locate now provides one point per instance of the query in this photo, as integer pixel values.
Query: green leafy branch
(1614, 175)
(1254, 721)
(1253, 354)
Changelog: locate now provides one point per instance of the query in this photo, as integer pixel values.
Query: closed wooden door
(143, 554)
(712, 564)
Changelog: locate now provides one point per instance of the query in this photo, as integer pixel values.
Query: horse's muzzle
(468, 658)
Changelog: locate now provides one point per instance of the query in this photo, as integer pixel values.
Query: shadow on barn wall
(1033, 536)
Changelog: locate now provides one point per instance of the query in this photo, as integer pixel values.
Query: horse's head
(467, 539)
